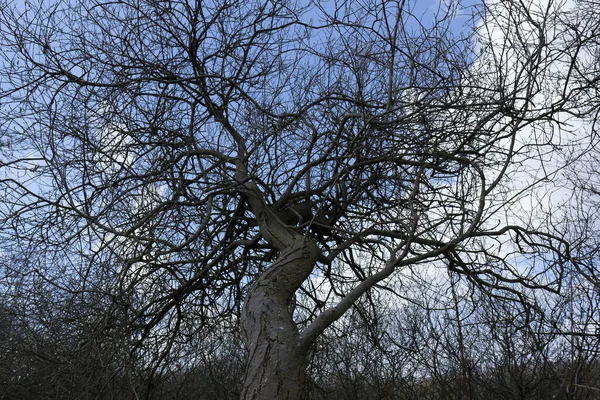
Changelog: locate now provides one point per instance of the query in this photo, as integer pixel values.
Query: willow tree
(271, 162)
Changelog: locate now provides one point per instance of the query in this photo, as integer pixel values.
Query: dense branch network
(188, 150)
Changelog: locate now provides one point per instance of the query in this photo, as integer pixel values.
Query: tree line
(274, 187)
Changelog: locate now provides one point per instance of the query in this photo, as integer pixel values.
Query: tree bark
(276, 367)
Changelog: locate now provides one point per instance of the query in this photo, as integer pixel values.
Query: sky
(547, 194)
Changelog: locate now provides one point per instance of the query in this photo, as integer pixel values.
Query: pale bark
(276, 367)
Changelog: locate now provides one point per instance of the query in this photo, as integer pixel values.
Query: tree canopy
(191, 166)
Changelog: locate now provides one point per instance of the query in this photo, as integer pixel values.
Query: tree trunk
(277, 364)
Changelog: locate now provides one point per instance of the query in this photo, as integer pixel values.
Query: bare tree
(275, 161)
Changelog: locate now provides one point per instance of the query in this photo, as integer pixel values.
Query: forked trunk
(277, 364)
